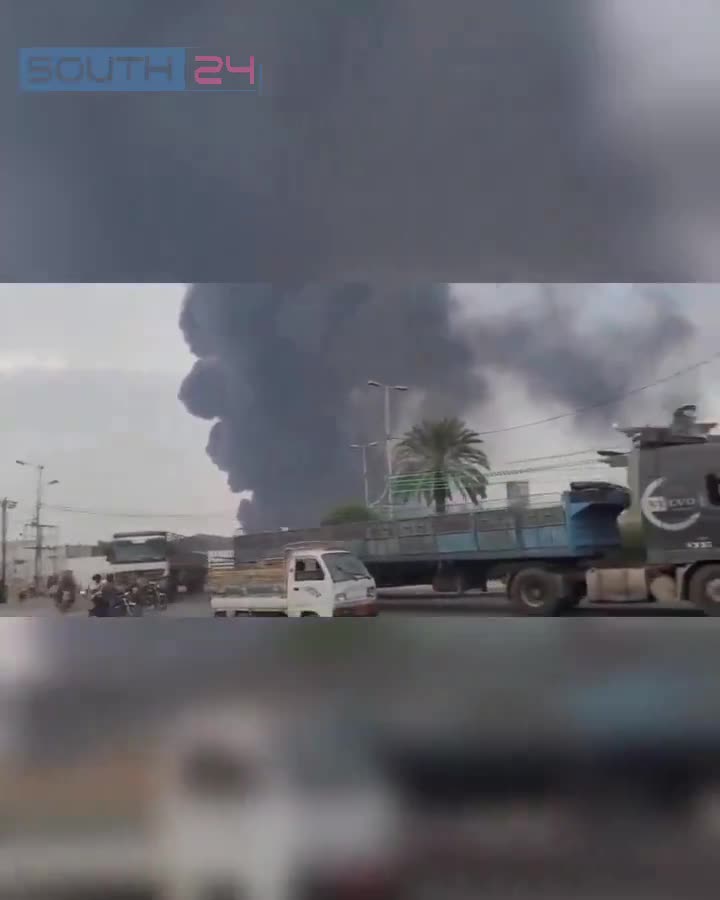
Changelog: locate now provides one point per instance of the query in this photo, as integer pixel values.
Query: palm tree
(438, 459)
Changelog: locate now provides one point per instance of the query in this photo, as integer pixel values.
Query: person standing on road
(98, 597)
(65, 591)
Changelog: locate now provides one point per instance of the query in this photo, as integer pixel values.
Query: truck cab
(158, 556)
(310, 580)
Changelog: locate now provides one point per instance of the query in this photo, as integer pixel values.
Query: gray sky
(599, 304)
(89, 376)
(88, 381)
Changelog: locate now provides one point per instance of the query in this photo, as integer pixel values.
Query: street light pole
(366, 484)
(388, 430)
(5, 505)
(38, 522)
(38, 528)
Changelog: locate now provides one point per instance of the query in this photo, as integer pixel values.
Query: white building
(84, 561)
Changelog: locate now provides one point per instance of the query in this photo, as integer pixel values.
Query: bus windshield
(138, 549)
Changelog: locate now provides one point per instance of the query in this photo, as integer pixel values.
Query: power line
(581, 464)
(404, 484)
(133, 515)
(601, 403)
(515, 462)
(397, 480)
(493, 473)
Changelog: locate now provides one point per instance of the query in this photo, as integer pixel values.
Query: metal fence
(408, 511)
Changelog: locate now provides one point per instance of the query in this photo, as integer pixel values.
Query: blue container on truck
(460, 551)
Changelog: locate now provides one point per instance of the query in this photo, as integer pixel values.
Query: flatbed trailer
(462, 551)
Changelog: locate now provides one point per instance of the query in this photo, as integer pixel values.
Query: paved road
(414, 601)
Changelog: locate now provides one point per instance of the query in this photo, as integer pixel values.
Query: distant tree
(349, 512)
(437, 459)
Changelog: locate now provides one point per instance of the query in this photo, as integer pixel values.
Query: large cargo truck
(160, 557)
(655, 540)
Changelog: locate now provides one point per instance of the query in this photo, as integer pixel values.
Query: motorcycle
(63, 591)
(156, 598)
(124, 604)
(64, 600)
(129, 604)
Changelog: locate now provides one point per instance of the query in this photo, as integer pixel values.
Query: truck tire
(704, 590)
(537, 592)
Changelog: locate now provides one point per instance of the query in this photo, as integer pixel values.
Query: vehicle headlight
(371, 592)
(340, 598)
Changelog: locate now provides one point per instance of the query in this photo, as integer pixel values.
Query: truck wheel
(704, 590)
(536, 592)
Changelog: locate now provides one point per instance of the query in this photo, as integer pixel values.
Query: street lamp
(5, 505)
(364, 449)
(388, 388)
(38, 510)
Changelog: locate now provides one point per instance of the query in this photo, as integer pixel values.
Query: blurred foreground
(395, 759)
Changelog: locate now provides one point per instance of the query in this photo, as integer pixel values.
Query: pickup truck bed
(263, 601)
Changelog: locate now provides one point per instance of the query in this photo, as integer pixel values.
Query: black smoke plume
(585, 368)
(283, 373)
(395, 138)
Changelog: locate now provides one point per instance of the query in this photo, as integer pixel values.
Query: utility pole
(38, 528)
(366, 484)
(38, 521)
(388, 431)
(5, 505)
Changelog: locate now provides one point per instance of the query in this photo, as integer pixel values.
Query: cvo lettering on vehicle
(663, 504)
(653, 506)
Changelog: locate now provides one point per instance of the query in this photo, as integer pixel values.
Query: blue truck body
(583, 526)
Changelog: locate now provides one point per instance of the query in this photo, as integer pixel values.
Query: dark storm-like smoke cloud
(279, 372)
(584, 368)
(410, 138)
(278, 369)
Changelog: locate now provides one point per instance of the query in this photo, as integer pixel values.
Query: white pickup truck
(311, 580)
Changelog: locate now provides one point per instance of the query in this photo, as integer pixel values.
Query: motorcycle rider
(142, 590)
(65, 591)
(96, 598)
(103, 595)
(110, 591)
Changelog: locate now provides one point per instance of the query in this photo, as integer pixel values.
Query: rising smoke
(396, 138)
(281, 372)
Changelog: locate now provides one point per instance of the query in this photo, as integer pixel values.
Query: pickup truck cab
(311, 580)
